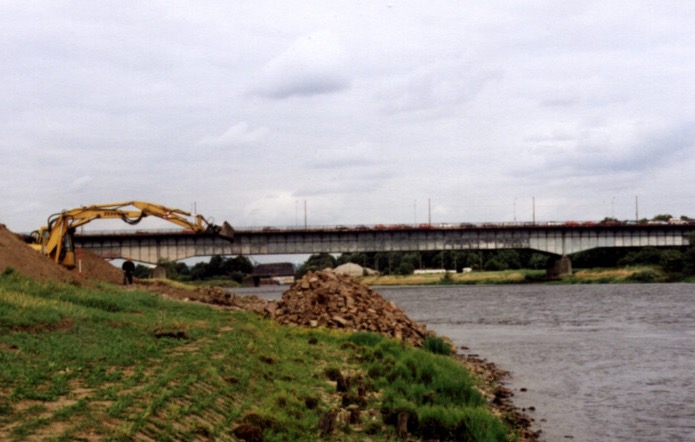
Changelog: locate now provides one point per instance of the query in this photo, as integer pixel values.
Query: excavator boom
(55, 239)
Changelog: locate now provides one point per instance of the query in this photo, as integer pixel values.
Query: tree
(689, 260)
(315, 263)
(239, 264)
(645, 255)
(495, 263)
(405, 268)
(174, 270)
(510, 257)
(601, 257)
(672, 261)
(142, 272)
(537, 261)
(662, 217)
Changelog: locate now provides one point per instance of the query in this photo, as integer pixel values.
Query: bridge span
(559, 239)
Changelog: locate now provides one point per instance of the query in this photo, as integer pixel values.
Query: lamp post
(533, 199)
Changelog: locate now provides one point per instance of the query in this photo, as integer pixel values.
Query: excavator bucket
(226, 231)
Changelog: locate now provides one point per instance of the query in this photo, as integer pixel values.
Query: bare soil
(16, 254)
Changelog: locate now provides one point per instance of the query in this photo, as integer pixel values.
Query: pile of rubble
(329, 299)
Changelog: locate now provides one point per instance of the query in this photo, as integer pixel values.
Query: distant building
(278, 273)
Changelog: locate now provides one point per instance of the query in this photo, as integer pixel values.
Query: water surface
(600, 362)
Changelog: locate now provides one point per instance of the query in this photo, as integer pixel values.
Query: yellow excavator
(55, 240)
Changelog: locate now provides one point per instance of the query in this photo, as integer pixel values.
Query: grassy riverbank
(634, 274)
(108, 363)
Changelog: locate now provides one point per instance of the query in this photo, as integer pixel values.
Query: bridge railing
(377, 227)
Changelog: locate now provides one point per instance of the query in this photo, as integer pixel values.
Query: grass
(436, 395)
(487, 277)
(114, 364)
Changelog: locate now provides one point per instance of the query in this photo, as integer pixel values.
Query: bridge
(556, 239)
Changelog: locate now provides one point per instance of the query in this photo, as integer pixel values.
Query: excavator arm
(55, 239)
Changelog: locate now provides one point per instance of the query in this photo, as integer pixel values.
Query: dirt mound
(208, 295)
(334, 300)
(16, 254)
(94, 267)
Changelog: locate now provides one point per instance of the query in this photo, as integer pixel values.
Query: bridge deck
(558, 239)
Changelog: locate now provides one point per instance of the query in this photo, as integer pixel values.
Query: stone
(325, 298)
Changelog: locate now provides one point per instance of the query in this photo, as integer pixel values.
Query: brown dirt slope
(94, 267)
(16, 254)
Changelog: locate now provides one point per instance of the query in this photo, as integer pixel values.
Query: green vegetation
(631, 274)
(107, 363)
(222, 270)
(316, 262)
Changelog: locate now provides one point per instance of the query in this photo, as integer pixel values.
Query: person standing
(128, 270)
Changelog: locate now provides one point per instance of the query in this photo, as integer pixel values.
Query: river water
(596, 362)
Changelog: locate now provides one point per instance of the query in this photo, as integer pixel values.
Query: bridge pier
(159, 272)
(559, 266)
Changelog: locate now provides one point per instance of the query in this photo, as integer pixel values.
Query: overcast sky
(367, 111)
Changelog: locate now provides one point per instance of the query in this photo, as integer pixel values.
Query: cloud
(360, 155)
(614, 160)
(315, 64)
(360, 109)
(436, 85)
(80, 183)
(237, 135)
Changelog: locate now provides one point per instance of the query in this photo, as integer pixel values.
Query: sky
(270, 113)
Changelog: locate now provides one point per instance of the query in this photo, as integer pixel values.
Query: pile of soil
(17, 255)
(335, 300)
(208, 295)
(94, 267)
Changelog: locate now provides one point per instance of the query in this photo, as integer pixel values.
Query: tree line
(677, 260)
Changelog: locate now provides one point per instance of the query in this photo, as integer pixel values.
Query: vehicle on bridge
(56, 238)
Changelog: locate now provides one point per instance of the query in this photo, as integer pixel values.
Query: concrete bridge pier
(559, 266)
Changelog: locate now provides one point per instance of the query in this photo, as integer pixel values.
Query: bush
(405, 268)
(365, 339)
(671, 261)
(447, 278)
(496, 264)
(644, 276)
(437, 345)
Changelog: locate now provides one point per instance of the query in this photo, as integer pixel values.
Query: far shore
(638, 274)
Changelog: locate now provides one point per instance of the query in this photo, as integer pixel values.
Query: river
(588, 362)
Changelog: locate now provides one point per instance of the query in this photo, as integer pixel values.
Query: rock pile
(328, 299)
